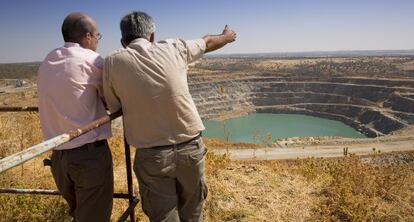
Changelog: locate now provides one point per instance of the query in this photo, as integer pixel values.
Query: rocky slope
(375, 102)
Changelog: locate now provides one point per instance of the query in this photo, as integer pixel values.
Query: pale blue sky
(30, 29)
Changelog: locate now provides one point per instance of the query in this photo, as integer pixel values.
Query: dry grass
(20, 97)
(344, 189)
(256, 191)
(19, 131)
(357, 191)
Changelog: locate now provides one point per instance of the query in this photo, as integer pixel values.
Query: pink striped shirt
(69, 85)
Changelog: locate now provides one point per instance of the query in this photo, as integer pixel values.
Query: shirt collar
(139, 41)
(71, 44)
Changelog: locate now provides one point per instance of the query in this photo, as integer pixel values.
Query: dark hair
(73, 29)
(136, 25)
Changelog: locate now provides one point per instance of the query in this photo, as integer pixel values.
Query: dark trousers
(84, 176)
(171, 181)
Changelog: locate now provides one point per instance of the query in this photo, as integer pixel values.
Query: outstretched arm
(214, 42)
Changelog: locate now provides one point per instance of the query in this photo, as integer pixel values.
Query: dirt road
(365, 148)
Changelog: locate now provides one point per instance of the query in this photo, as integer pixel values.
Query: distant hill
(19, 70)
(351, 53)
(29, 70)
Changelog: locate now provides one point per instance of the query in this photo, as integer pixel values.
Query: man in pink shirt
(69, 90)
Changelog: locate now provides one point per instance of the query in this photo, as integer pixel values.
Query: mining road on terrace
(367, 147)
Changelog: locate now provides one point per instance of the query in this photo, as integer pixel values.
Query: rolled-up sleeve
(191, 50)
(112, 100)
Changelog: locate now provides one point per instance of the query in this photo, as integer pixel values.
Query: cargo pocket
(197, 155)
(155, 205)
(152, 164)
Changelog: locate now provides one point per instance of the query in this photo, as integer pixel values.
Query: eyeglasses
(98, 36)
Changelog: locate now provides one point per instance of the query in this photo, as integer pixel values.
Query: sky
(30, 29)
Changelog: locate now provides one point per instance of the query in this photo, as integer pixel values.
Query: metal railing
(37, 150)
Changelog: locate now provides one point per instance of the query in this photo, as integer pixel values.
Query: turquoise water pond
(264, 127)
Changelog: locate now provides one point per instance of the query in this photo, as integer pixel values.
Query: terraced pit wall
(373, 106)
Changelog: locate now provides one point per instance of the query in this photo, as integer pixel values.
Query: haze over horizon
(31, 29)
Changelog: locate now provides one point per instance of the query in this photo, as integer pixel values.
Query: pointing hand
(229, 34)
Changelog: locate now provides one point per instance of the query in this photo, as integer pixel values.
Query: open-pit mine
(374, 95)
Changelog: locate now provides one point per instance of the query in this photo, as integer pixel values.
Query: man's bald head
(76, 25)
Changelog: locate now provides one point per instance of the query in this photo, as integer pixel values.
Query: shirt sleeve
(191, 50)
(98, 63)
(112, 100)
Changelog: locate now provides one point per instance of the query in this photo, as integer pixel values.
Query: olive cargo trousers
(171, 181)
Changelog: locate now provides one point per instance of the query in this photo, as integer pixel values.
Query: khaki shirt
(149, 82)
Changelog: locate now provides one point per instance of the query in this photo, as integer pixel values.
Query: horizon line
(323, 51)
(315, 53)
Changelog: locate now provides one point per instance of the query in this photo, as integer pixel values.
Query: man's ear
(88, 36)
(152, 37)
(85, 41)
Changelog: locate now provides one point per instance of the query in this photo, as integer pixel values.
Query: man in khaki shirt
(148, 81)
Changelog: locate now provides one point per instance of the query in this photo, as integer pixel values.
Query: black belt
(178, 144)
(88, 145)
(48, 162)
